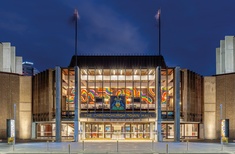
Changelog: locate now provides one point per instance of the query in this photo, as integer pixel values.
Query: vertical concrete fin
(158, 120)
(177, 105)
(58, 103)
(77, 94)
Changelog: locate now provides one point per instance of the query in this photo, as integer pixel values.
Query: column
(177, 105)
(76, 101)
(158, 111)
(58, 103)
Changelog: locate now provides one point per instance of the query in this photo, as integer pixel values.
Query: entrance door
(168, 131)
(117, 132)
(108, 131)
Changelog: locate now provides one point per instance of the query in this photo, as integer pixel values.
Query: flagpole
(76, 34)
(158, 17)
(159, 31)
(76, 70)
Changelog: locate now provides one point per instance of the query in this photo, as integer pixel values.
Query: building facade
(16, 89)
(117, 99)
(9, 62)
(29, 69)
(225, 56)
(219, 91)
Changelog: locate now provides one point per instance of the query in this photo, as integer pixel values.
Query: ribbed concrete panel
(18, 66)
(13, 54)
(218, 62)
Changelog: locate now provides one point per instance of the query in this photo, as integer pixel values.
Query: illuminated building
(28, 69)
(118, 99)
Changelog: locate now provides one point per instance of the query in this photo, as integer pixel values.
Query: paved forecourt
(112, 147)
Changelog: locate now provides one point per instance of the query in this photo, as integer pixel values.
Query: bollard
(13, 147)
(69, 148)
(187, 145)
(117, 145)
(152, 144)
(47, 145)
(222, 146)
(83, 145)
(166, 148)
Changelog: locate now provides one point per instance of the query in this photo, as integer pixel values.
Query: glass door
(146, 131)
(134, 130)
(140, 130)
(107, 131)
(94, 131)
(101, 131)
(127, 131)
(170, 131)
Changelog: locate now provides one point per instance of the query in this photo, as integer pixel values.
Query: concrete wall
(225, 56)
(6, 57)
(13, 61)
(1, 57)
(25, 107)
(19, 66)
(8, 60)
(229, 54)
(218, 62)
(9, 95)
(210, 108)
(225, 95)
(16, 89)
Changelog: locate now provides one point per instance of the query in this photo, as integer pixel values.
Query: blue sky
(42, 32)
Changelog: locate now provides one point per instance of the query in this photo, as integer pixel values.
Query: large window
(48, 131)
(116, 90)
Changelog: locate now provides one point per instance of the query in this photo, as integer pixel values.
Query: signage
(135, 115)
(117, 103)
(225, 128)
(10, 128)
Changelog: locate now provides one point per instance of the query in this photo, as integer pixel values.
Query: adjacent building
(9, 62)
(16, 89)
(225, 56)
(29, 69)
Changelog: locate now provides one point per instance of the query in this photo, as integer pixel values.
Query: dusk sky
(42, 32)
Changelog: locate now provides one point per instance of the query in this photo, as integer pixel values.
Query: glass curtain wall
(135, 87)
(167, 92)
(68, 93)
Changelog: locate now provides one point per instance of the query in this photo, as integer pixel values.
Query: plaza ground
(114, 146)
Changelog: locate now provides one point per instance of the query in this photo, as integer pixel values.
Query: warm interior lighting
(114, 72)
(129, 99)
(150, 71)
(135, 72)
(99, 72)
(106, 99)
(85, 72)
(121, 72)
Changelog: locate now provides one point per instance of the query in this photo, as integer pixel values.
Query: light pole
(15, 127)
